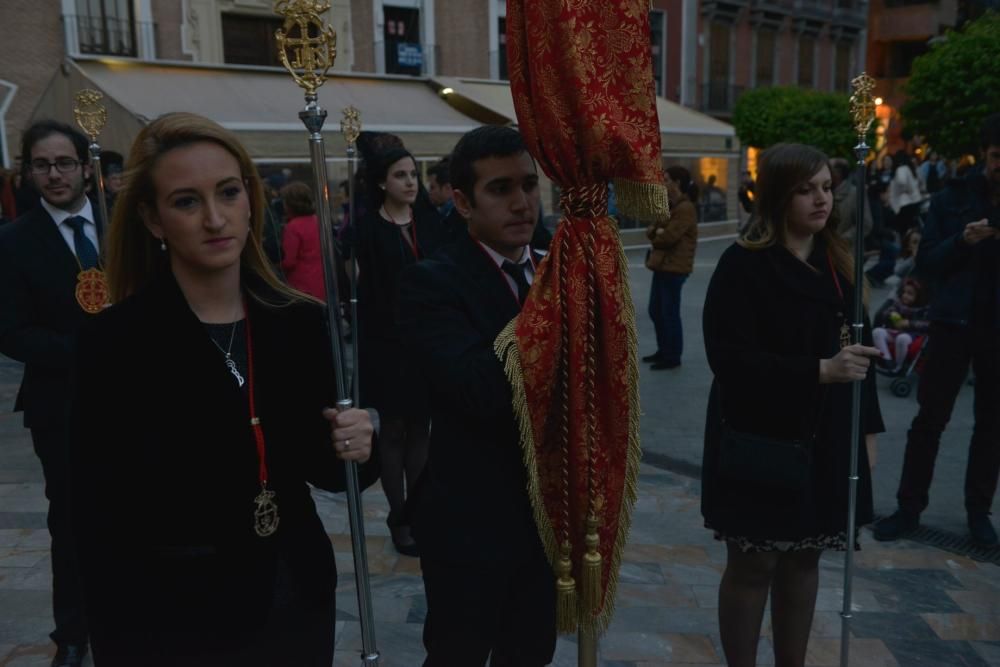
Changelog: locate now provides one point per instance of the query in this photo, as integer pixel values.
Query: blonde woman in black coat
(774, 316)
(201, 417)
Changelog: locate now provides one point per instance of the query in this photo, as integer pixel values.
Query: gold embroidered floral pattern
(582, 83)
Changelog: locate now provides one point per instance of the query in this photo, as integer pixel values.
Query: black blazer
(165, 473)
(472, 502)
(768, 320)
(39, 315)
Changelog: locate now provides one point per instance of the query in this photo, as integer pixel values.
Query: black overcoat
(768, 320)
(39, 314)
(471, 504)
(166, 471)
(388, 381)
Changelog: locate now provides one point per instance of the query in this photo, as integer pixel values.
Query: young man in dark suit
(40, 258)
(490, 589)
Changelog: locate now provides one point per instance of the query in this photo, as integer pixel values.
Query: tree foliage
(767, 116)
(954, 86)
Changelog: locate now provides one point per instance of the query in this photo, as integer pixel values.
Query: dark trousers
(665, 311)
(949, 352)
(475, 611)
(52, 447)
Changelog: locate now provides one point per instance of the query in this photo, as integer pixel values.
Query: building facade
(746, 44)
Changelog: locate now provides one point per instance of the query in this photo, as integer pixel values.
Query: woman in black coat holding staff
(776, 313)
(202, 412)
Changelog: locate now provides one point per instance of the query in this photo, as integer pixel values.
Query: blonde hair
(783, 168)
(134, 257)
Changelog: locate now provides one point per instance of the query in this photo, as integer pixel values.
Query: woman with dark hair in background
(775, 316)
(671, 259)
(398, 230)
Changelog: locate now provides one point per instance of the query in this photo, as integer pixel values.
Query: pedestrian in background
(775, 314)
(399, 229)
(201, 418)
(302, 257)
(960, 257)
(905, 193)
(671, 259)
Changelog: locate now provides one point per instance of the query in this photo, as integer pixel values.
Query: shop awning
(683, 131)
(259, 104)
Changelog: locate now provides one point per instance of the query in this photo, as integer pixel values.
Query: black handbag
(764, 460)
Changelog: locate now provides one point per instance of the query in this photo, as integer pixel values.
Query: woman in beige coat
(671, 260)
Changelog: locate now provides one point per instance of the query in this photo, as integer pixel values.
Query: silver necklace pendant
(265, 515)
(235, 371)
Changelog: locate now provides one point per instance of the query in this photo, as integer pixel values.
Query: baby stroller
(905, 378)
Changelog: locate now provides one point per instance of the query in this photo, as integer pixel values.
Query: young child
(899, 321)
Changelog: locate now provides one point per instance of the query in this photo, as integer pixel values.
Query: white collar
(60, 215)
(500, 259)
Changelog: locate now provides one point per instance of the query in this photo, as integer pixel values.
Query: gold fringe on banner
(643, 201)
(505, 347)
(634, 456)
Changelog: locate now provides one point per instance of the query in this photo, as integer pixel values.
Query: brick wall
(362, 23)
(463, 37)
(169, 18)
(31, 48)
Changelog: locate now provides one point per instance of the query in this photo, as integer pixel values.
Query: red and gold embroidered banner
(581, 78)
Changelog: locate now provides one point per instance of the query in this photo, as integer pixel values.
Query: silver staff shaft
(355, 325)
(861, 151)
(102, 200)
(313, 118)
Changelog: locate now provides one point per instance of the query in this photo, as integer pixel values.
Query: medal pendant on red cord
(265, 516)
(265, 513)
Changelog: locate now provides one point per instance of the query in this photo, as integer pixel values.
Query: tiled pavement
(914, 605)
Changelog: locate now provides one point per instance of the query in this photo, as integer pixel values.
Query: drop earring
(163, 245)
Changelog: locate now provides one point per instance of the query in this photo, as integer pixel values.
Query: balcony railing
(110, 36)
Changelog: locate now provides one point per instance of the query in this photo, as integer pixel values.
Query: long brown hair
(134, 255)
(782, 169)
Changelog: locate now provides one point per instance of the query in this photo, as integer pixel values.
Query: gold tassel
(590, 577)
(643, 201)
(565, 592)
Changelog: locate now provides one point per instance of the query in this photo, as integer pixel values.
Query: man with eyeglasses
(41, 256)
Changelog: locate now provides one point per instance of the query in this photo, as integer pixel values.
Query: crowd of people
(180, 426)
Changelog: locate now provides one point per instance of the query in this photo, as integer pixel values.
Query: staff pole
(863, 111)
(307, 48)
(91, 116)
(350, 127)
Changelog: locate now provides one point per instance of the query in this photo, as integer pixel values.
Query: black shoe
(652, 358)
(403, 542)
(981, 529)
(896, 526)
(665, 365)
(70, 655)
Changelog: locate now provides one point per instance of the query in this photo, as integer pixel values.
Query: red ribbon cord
(258, 432)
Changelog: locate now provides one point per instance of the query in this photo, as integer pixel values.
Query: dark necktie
(85, 250)
(516, 271)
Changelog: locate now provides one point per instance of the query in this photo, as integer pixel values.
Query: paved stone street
(914, 605)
